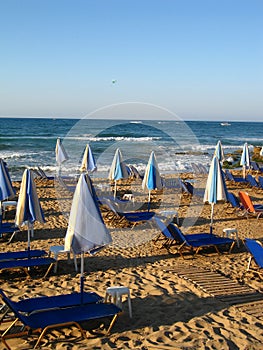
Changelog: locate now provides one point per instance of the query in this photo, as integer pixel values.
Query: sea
(30, 142)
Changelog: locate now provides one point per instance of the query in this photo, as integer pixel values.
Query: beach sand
(171, 308)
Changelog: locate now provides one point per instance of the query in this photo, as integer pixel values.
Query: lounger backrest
(177, 234)
(12, 306)
(256, 250)
(252, 180)
(163, 227)
(233, 200)
(229, 175)
(254, 166)
(246, 201)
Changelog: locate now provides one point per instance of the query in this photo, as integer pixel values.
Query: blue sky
(199, 59)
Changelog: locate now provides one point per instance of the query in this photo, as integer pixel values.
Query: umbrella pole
(149, 201)
(115, 189)
(82, 277)
(212, 214)
(244, 171)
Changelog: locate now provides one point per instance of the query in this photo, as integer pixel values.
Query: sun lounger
(133, 217)
(250, 208)
(197, 241)
(252, 181)
(255, 248)
(23, 254)
(44, 175)
(233, 200)
(233, 178)
(25, 264)
(256, 167)
(44, 321)
(37, 304)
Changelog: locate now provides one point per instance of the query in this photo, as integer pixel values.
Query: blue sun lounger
(233, 178)
(63, 317)
(252, 181)
(25, 264)
(195, 242)
(37, 304)
(255, 248)
(23, 254)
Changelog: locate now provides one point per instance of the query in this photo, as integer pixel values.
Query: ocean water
(31, 142)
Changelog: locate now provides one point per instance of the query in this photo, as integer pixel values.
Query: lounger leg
(59, 325)
(249, 262)
(231, 247)
(6, 336)
(112, 323)
(50, 267)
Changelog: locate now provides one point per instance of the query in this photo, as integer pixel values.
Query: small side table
(59, 249)
(232, 233)
(116, 293)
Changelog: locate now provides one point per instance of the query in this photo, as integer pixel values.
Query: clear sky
(200, 59)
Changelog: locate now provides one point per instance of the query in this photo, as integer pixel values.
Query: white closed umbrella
(88, 163)
(215, 190)
(86, 230)
(245, 159)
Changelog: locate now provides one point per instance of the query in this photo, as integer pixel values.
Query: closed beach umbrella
(152, 179)
(86, 230)
(28, 206)
(61, 154)
(215, 190)
(219, 152)
(88, 161)
(245, 160)
(6, 188)
(118, 169)
(261, 152)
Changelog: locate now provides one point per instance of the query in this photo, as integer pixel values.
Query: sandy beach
(172, 307)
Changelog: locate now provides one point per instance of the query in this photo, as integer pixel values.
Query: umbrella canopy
(86, 230)
(219, 152)
(88, 161)
(28, 206)
(245, 159)
(61, 154)
(6, 188)
(215, 190)
(152, 179)
(118, 169)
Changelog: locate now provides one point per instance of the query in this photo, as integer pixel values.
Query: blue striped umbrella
(215, 190)
(88, 161)
(152, 179)
(219, 151)
(6, 188)
(28, 206)
(118, 169)
(245, 159)
(86, 230)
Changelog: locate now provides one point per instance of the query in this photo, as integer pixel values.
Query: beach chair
(252, 181)
(250, 208)
(231, 177)
(233, 200)
(8, 229)
(40, 303)
(168, 236)
(27, 263)
(255, 249)
(22, 254)
(132, 217)
(195, 242)
(43, 174)
(42, 322)
(254, 166)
